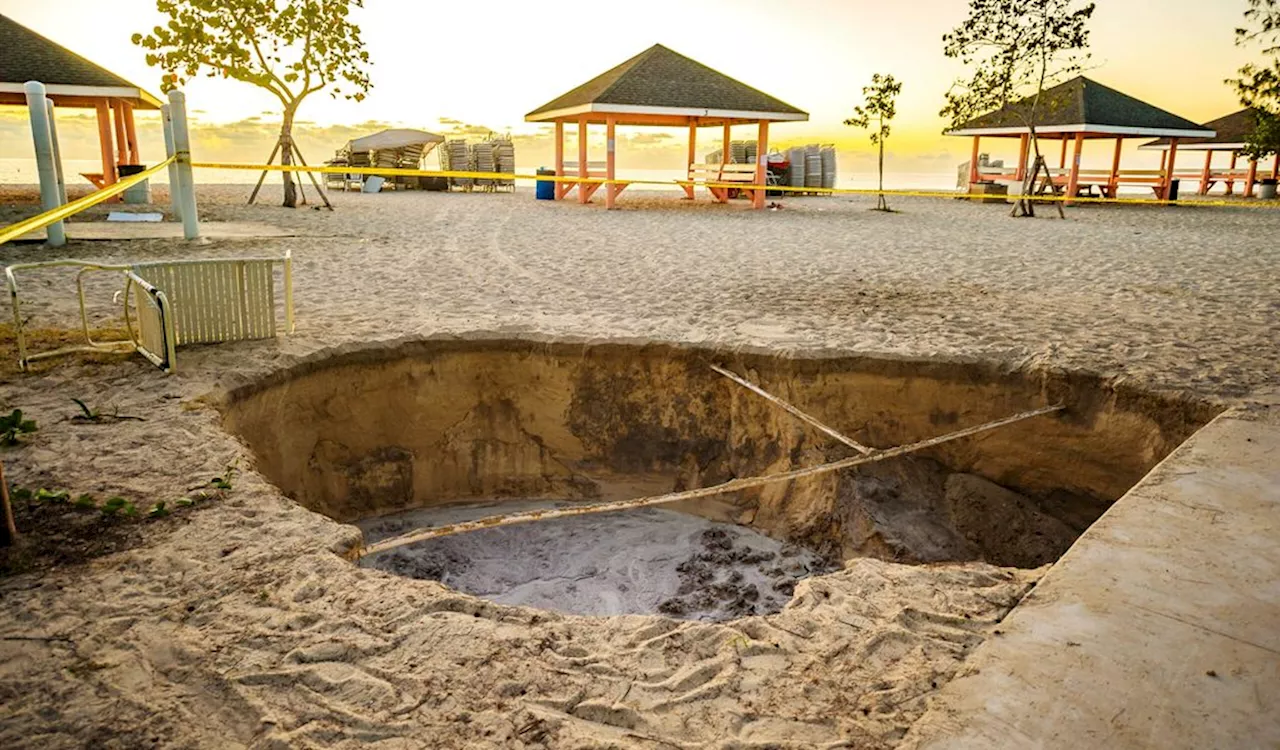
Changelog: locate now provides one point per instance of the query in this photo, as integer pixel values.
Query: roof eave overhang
(637, 109)
(132, 93)
(1087, 129)
(1193, 147)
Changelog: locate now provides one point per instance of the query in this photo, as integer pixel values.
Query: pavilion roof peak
(1232, 131)
(1082, 104)
(661, 80)
(28, 56)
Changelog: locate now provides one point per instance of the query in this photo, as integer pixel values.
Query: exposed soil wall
(373, 431)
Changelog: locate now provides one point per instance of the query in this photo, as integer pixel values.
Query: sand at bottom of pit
(645, 561)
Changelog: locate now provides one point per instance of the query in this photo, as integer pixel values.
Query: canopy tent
(1072, 112)
(1232, 131)
(72, 81)
(660, 87)
(395, 138)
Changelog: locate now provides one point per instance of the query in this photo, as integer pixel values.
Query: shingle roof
(660, 77)
(27, 56)
(1083, 102)
(1233, 128)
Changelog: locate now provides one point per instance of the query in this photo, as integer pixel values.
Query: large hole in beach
(436, 431)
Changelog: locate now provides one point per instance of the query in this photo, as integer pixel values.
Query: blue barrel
(546, 189)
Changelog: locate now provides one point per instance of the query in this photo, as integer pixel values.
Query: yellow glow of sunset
(446, 66)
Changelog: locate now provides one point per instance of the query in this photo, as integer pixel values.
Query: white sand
(607, 564)
(236, 626)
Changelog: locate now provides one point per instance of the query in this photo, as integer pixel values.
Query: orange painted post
(1113, 184)
(561, 188)
(1275, 168)
(1204, 174)
(1168, 175)
(122, 149)
(105, 142)
(1062, 160)
(583, 195)
(1251, 178)
(693, 154)
(130, 134)
(1164, 159)
(610, 169)
(762, 160)
(1231, 173)
(973, 161)
(1073, 181)
(1024, 142)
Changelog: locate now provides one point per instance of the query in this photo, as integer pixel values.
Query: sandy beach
(237, 624)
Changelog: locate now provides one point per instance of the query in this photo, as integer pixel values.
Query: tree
(1259, 86)
(878, 106)
(1017, 49)
(292, 48)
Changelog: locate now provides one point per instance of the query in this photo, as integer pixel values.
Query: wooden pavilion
(1075, 111)
(660, 87)
(1232, 132)
(74, 82)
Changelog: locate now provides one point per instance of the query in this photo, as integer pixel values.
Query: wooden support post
(693, 154)
(1024, 143)
(973, 163)
(1231, 173)
(610, 170)
(122, 155)
(1206, 172)
(1275, 168)
(1250, 178)
(1062, 159)
(106, 143)
(561, 187)
(583, 195)
(762, 161)
(1113, 183)
(722, 194)
(1168, 174)
(130, 134)
(1164, 159)
(1073, 179)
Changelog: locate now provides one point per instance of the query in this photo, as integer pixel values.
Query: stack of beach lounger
(828, 158)
(455, 157)
(482, 161)
(796, 155)
(504, 156)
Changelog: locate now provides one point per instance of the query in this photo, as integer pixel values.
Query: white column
(175, 205)
(182, 149)
(57, 153)
(38, 108)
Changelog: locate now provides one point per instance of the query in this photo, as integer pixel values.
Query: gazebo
(1232, 132)
(660, 87)
(72, 81)
(1074, 111)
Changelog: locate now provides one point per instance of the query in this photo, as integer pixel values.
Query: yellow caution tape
(14, 231)
(511, 176)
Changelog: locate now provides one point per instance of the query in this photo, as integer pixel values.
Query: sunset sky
(460, 66)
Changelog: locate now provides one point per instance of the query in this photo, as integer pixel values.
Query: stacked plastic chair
(482, 161)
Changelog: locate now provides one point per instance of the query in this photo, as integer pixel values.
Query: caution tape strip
(26, 226)
(511, 176)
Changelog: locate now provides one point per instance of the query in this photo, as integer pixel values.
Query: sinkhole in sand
(437, 431)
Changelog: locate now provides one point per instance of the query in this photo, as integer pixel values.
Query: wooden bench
(598, 170)
(702, 174)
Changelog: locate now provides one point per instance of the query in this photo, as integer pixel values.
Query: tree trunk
(9, 531)
(286, 158)
(881, 203)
